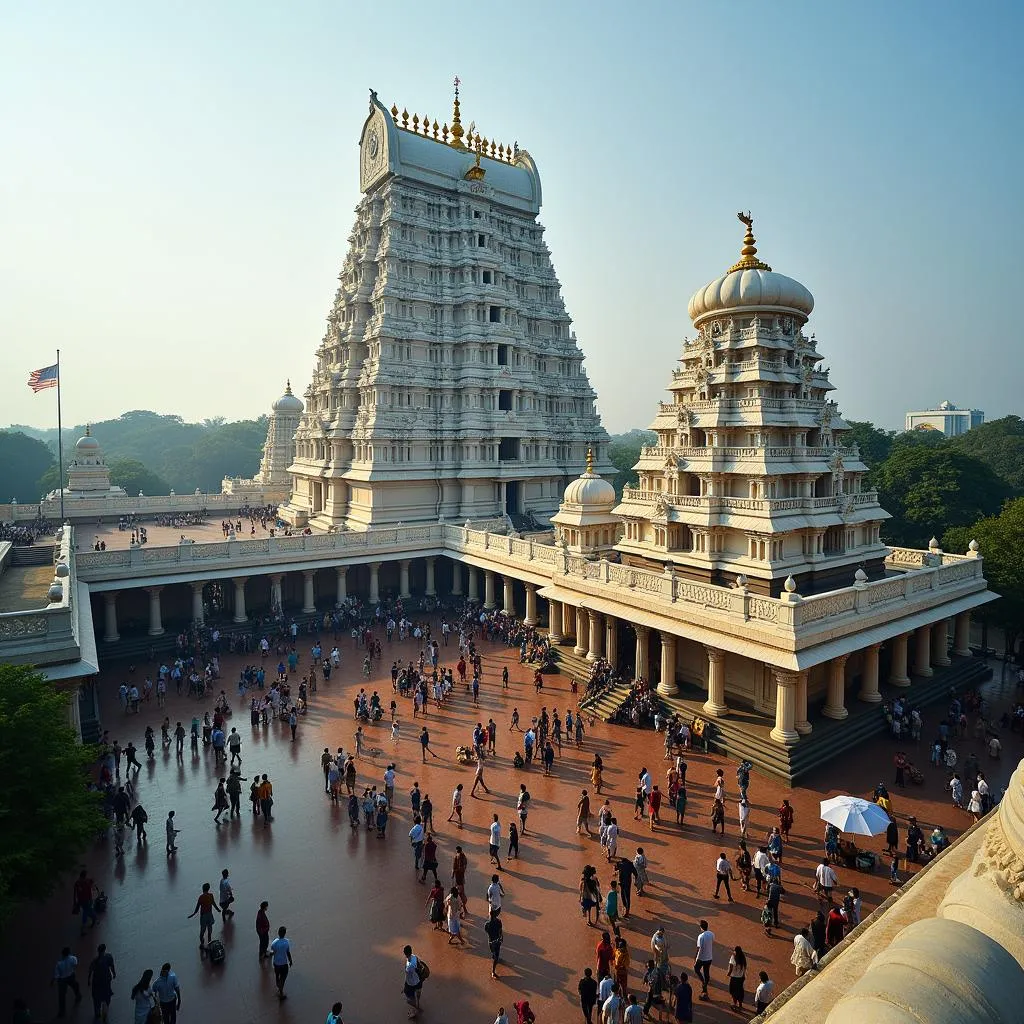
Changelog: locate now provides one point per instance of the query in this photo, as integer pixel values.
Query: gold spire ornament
(590, 461)
(394, 112)
(476, 172)
(748, 254)
(457, 131)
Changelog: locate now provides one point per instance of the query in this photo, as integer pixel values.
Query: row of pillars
(156, 627)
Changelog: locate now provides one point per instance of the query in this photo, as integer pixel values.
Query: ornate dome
(750, 284)
(87, 443)
(590, 490)
(288, 403)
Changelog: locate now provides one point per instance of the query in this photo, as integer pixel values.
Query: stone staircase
(32, 554)
(607, 703)
(744, 734)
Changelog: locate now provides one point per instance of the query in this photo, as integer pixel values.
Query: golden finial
(394, 112)
(435, 129)
(444, 133)
(501, 151)
(748, 254)
(485, 146)
(415, 123)
(494, 149)
(288, 386)
(457, 131)
(405, 118)
(590, 461)
(476, 172)
(88, 430)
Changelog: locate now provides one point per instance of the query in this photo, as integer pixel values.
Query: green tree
(133, 476)
(24, 460)
(624, 452)
(1001, 543)
(1000, 445)
(47, 816)
(50, 480)
(929, 490)
(919, 439)
(874, 443)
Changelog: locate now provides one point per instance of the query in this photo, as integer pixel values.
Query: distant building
(88, 473)
(947, 418)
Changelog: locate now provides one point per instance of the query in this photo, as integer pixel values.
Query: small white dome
(590, 490)
(87, 443)
(751, 289)
(288, 403)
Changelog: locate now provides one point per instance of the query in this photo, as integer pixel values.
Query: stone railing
(709, 451)
(159, 504)
(727, 503)
(720, 403)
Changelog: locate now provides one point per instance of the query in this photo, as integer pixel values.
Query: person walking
(266, 797)
(143, 998)
(723, 871)
(523, 807)
(172, 846)
(765, 992)
(138, 818)
(425, 744)
(459, 865)
(413, 986)
(456, 811)
(705, 955)
(737, 974)
(100, 980)
(206, 904)
(416, 838)
(334, 1017)
(513, 841)
(227, 896)
(495, 893)
(234, 790)
(495, 934)
(168, 994)
(452, 915)
(281, 957)
(627, 873)
(263, 930)
(583, 815)
(683, 997)
(587, 989)
(429, 857)
(220, 801)
(478, 778)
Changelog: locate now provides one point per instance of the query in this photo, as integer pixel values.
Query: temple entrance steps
(744, 734)
(606, 705)
(573, 666)
(32, 554)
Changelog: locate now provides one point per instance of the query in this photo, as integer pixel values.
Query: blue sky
(179, 183)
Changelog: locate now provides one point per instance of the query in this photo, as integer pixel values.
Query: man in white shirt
(744, 811)
(416, 834)
(634, 1012)
(765, 992)
(495, 842)
(825, 876)
(722, 872)
(389, 785)
(759, 862)
(611, 1008)
(281, 955)
(64, 975)
(413, 984)
(983, 791)
(168, 994)
(495, 892)
(705, 954)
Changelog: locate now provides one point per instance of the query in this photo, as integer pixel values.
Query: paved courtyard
(351, 901)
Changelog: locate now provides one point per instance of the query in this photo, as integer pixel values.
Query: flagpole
(60, 445)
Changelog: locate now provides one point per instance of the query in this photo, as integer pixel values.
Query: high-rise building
(750, 480)
(449, 382)
(947, 419)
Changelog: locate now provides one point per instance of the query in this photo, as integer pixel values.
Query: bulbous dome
(288, 403)
(591, 491)
(750, 288)
(87, 443)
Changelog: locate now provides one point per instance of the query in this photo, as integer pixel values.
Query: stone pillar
(869, 677)
(240, 616)
(554, 620)
(940, 643)
(801, 724)
(962, 635)
(488, 589)
(197, 603)
(898, 671)
(581, 632)
(308, 600)
(403, 578)
(341, 594)
(785, 708)
(568, 621)
(715, 706)
(595, 639)
(111, 634)
(508, 596)
(531, 605)
(922, 643)
(667, 686)
(474, 584)
(374, 582)
(456, 579)
(611, 641)
(643, 650)
(835, 704)
(156, 626)
(276, 600)
(430, 590)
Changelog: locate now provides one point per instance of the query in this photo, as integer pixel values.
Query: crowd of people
(447, 672)
(26, 534)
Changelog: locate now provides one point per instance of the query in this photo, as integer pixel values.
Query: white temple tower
(449, 383)
(750, 477)
(88, 474)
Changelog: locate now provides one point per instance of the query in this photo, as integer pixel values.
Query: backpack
(422, 970)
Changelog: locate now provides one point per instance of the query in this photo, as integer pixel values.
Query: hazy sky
(179, 180)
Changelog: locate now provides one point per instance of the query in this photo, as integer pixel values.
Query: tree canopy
(47, 816)
(1000, 445)
(624, 452)
(1001, 542)
(874, 443)
(24, 460)
(928, 490)
(133, 476)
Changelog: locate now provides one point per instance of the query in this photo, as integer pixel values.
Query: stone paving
(351, 901)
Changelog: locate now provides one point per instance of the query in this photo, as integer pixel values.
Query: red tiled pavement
(350, 900)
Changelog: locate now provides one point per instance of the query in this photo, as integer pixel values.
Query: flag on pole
(47, 377)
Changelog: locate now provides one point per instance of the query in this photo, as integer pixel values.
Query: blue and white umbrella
(854, 815)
